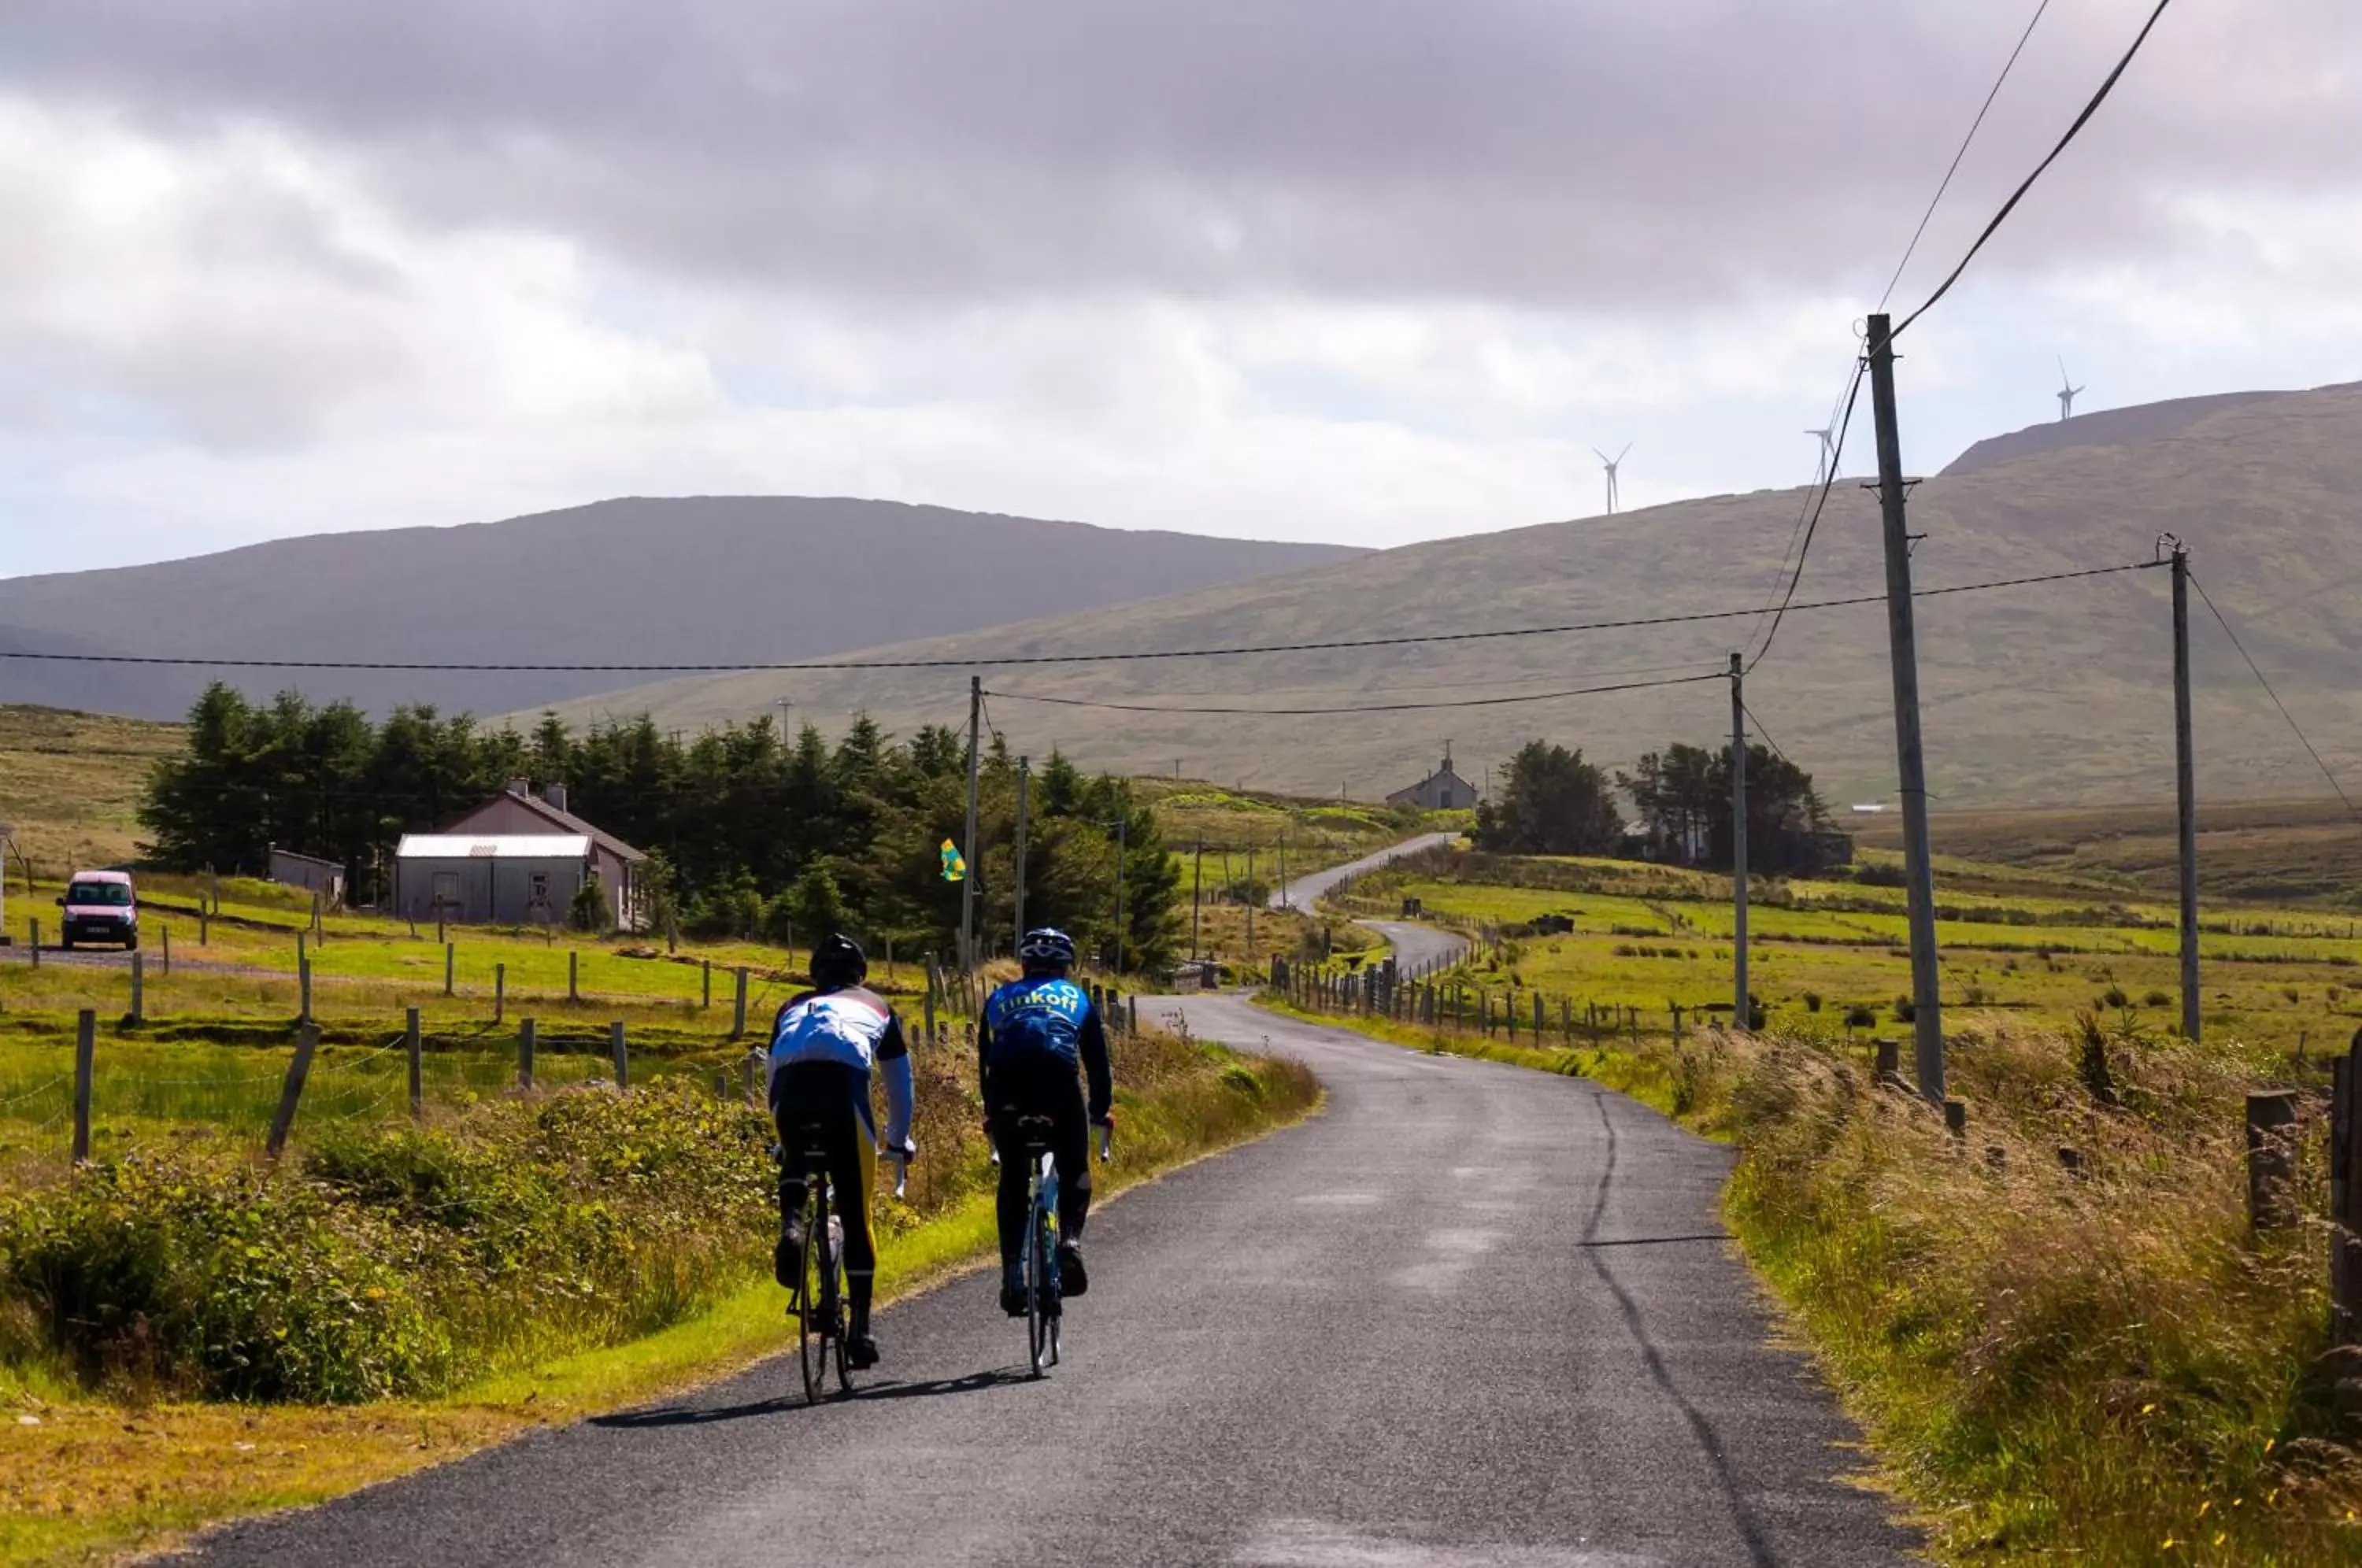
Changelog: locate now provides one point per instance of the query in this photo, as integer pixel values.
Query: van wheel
(131, 942)
(65, 943)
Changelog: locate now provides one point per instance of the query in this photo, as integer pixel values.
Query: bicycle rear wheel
(839, 1320)
(1040, 1308)
(816, 1305)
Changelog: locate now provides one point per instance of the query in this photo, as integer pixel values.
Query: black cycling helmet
(837, 961)
(1046, 947)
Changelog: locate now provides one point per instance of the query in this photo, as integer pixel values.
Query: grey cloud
(1678, 151)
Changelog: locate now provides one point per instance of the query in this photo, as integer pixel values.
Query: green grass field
(2286, 978)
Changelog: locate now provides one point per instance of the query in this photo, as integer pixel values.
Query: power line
(1363, 707)
(1012, 660)
(2294, 727)
(2015, 197)
(1764, 733)
(1945, 183)
(1829, 481)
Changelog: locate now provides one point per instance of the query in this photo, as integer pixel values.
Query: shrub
(1812, 1001)
(1905, 1009)
(2114, 996)
(2156, 999)
(1860, 1018)
(590, 911)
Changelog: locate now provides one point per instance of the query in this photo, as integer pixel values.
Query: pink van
(100, 907)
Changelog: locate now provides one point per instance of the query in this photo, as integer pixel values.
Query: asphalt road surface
(1469, 1314)
(1304, 891)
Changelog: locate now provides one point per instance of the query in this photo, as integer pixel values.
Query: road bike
(1044, 1308)
(816, 1301)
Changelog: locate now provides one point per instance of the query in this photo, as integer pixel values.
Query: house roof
(493, 847)
(567, 821)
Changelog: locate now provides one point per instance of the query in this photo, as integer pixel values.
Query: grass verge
(2096, 1361)
(87, 1480)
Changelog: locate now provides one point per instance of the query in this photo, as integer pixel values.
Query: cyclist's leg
(852, 1168)
(1062, 1100)
(1007, 1097)
(792, 1096)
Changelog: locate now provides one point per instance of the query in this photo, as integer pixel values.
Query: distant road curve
(1306, 890)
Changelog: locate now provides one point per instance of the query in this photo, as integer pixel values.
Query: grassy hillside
(2305, 852)
(71, 784)
(2051, 695)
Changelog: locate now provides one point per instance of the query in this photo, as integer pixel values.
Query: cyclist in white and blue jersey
(824, 1045)
(1034, 1033)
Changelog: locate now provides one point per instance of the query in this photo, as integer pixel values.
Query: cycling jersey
(1046, 1015)
(852, 1028)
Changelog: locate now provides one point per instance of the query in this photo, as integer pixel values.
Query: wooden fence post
(304, 979)
(307, 1039)
(139, 987)
(573, 976)
(85, 1057)
(164, 934)
(2344, 1154)
(525, 1053)
(931, 1009)
(450, 965)
(2271, 1159)
(622, 1059)
(499, 991)
(205, 926)
(738, 1011)
(414, 1047)
(706, 973)
(37, 942)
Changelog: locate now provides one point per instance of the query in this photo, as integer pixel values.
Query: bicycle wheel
(1038, 1305)
(839, 1318)
(815, 1294)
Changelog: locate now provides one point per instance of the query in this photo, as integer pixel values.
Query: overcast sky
(1364, 270)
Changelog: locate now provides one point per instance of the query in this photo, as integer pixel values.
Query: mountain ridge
(704, 579)
(2049, 694)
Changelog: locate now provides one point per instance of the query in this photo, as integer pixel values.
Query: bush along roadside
(167, 1320)
(2058, 1329)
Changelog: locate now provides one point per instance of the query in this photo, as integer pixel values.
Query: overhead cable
(1364, 707)
(2294, 728)
(1011, 661)
(1945, 183)
(2015, 197)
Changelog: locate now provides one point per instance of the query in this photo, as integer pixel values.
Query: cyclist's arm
(894, 1064)
(1094, 1064)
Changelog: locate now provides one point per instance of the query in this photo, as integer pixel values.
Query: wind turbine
(1610, 463)
(1824, 467)
(2066, 393)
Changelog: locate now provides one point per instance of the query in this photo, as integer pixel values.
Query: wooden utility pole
(1024, 784)
(967, 846)
(1251, 904)
(1122, 852)
(1197, 894)
(2185, 790)
(1927, 1000)
(1744, 1015)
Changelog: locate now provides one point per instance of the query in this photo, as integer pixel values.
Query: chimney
(521, 788)
(556, 795)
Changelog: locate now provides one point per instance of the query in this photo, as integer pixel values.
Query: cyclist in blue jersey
(823, 1046)
(1034, 1033)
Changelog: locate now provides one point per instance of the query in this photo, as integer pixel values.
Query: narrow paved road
(1304, 891)
(1468, 1315)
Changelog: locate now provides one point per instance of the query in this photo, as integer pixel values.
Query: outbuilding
(490, 879)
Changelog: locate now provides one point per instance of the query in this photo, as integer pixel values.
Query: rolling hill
(687, 580)
(2058, 693)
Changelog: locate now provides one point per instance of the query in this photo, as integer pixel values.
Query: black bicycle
(1043, 1305)
(817, 1299)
